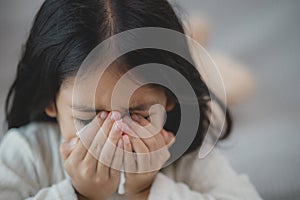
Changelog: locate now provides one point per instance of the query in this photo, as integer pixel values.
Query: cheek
(67, 127)
(64, 116)
(68, 131)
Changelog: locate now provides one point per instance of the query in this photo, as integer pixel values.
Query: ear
(170, 105)
(51, 110)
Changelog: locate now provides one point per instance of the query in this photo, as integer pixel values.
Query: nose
(122, 112)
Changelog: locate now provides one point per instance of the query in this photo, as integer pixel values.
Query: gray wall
(265, 35)
(15, 19)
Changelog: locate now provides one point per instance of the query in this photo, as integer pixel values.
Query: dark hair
(64, 32)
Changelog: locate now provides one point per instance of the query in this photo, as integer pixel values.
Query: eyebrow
(83, 108)
(139, 107)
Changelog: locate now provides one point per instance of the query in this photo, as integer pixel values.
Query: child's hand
(90, 178)
(151, 154)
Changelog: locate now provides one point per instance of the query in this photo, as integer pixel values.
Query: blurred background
(263, 35)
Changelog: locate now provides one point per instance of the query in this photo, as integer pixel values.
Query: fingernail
(126, 139)
(115, 115)
(120, 143)
(103, 115)
(73, 141)
(135, 117)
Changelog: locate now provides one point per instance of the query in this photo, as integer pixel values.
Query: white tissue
(121, 189)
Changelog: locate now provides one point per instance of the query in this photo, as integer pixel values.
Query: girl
(42, 158)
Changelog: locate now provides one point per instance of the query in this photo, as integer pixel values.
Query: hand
(151, 154)
(90, 178)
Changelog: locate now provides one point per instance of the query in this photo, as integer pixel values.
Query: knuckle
(103, 130)
(98, 180)
(152, 144)
(86, 171)
(67, 167)
(114, 136)
(104, 159)
(145, 151)
(95, 148)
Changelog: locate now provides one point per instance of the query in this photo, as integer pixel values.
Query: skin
(105, 127)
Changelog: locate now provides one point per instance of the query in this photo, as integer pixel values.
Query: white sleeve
(209, 179)
(19, 169)
(62, 191)
(165, 188)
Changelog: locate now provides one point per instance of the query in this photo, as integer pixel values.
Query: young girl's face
(86, 104)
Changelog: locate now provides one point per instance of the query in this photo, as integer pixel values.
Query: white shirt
(31, 168)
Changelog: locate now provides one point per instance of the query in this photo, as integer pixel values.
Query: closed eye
(83, 121)
(145, 116)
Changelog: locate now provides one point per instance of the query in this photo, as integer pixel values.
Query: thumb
(67, 147)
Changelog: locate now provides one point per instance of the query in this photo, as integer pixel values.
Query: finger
(152, 126)
(86, 136)
(162, 154)
(136, 142)
(117, 160)
(102, 134)
(139, 130)
(140, 120)
(88, 132)
(102, 171)
(169, 138)
(67, 147)
(101, 137)
(108, 123)
(153, 143)
(142, 155)
(159, 138)
(97, 143)
(145, 123)
(159, 157)
(130, 164)
(158, 116)
(79, 152)
(91, 132)
(107, 154)
(141, 151)
(95, 149)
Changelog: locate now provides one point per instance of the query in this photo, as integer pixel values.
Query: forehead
(98, 93)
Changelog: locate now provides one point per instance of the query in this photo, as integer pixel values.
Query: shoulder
(36, 144)
(35, 136)
(33, 149)
(213, 166)
(211, 174)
